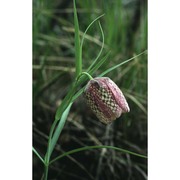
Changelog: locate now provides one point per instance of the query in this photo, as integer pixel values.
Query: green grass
(111, 46)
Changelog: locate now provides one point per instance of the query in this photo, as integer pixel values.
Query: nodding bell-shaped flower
(105, 99)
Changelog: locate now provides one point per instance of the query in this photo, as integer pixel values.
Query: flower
(105, 99)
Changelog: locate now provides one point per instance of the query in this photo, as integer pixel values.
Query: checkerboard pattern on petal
(105, 99)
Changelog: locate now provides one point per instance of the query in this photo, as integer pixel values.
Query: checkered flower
(105, 99)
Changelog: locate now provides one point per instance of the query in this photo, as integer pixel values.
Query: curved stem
(84, 73)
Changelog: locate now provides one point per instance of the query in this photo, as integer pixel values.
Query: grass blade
(66, 101)
(97, 147)
(100, 49)
(136, 101)
(85, 32)
(78, 51)
(37, 154)
(124, 62)
(99, 64)
(59, 129)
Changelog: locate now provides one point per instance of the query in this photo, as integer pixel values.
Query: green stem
(46, 168)
(48, 154)
(87, 74)
(49, 150)
(66, 101)
(84, 73)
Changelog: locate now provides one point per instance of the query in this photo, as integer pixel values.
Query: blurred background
(125, 30)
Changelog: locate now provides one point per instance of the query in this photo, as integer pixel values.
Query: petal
(118, 95)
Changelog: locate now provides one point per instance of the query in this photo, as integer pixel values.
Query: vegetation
(118, 38)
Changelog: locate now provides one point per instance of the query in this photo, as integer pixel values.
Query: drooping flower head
(105, 99)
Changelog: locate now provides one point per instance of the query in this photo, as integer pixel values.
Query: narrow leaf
(59, 128)
(124, 62)
(66, 101)
(88, 28)
(136, 101)
(99, 64)
(94, 62)
(37, 154)
(97, 147)
(78, 51)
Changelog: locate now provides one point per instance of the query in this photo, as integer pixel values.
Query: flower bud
(105, 99)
